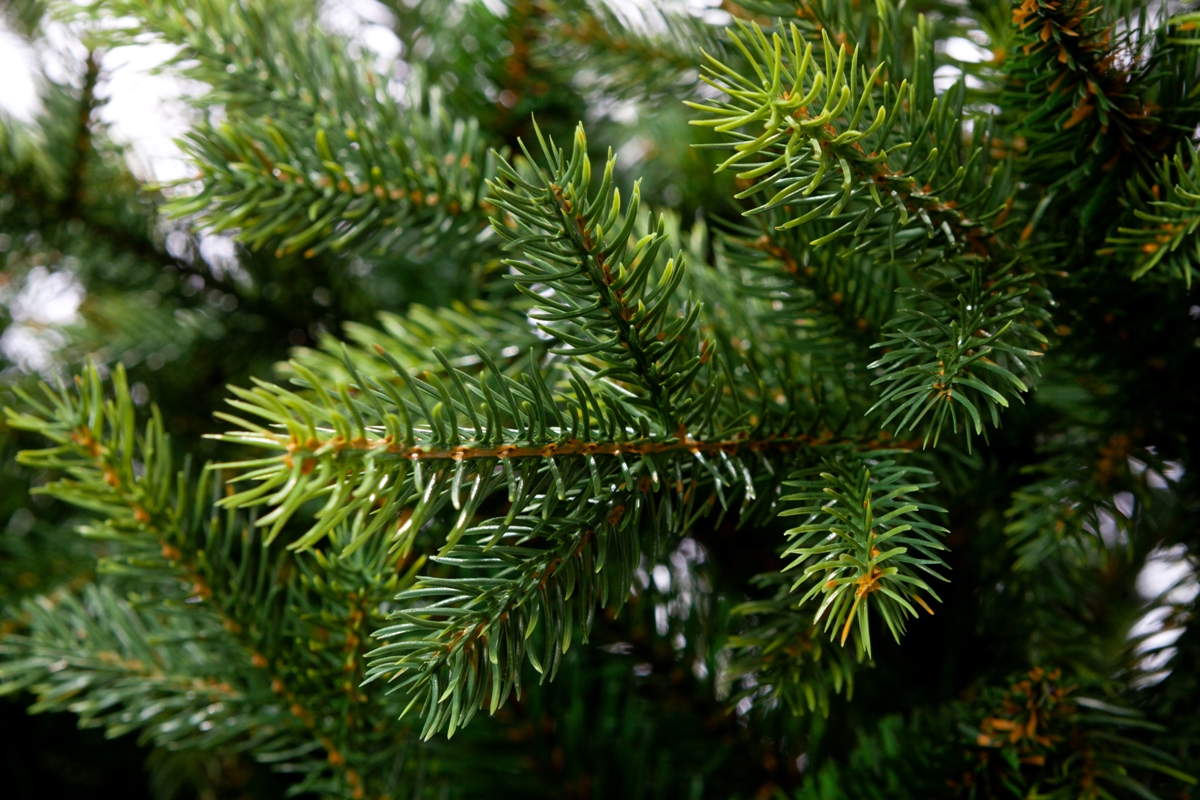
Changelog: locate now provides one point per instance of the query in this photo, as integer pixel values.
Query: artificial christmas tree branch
(235, 601)
(524, 533)
(932, 370)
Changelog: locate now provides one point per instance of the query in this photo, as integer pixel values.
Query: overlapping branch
(634, 427)
(210, 599)
(848, 156)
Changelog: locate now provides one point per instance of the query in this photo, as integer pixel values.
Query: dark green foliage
(898, 184)
(1041, 735)
(781, 647)
(510, 521)
(1042, 731)
(1166, 232)
(861, 538)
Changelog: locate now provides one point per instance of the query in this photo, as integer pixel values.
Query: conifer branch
(1075, 69)
(454, 664)
(102, 659)
(873, 186)
(197, 573)
(977, 342)
(827, 293)
(305, 187)
(583, 460)
(1048, 733)
(862, 544)
(1166, 232)
(866, 159)
(656, 55)
(603, 306)
(599, 453)
(314, 155)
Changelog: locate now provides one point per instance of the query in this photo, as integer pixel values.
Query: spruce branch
(781, 340)
(43, 192)
(1072, 66)
(869, 161)
(316, 183)
(642, 397)
(862, 544)
(594, 454)
(601, 301)
(1069, 512)
(1166, 231)
(655, 52)
(598, 454)
(198, 572)
(370, 449)
(838, 301)
(127, 670)
(962, 269)
(973, 351)
(1041, 730)
(501, 330)
(453, 664)
(1048, 733)
(314, 155)
(237, 48)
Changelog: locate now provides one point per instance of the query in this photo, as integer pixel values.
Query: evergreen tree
(777, 399)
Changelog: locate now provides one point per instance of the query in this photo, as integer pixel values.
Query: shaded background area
(45, 755)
